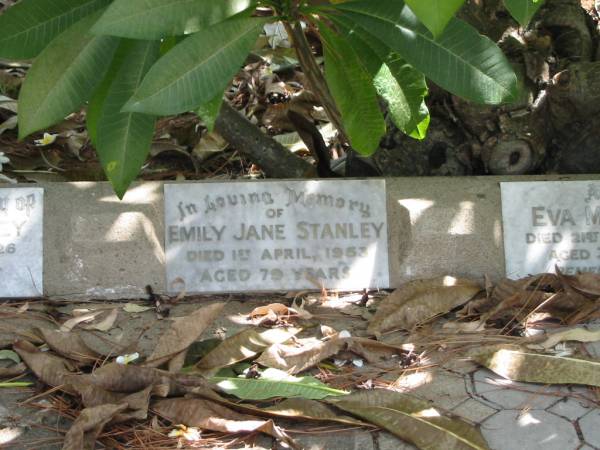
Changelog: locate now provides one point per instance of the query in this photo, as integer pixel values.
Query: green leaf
(404, 89)
(94, 108)
(123, 138)
(209, 112)
(27, 27)
(197, 69)
(461, 61)
(435, 14)
(523, 10)
(275, 383)
(353, 91)
(63, 76)
(413, 420)
(9, 354)
(154, 19)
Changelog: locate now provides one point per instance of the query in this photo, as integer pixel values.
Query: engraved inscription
(276, 235)
(21, 215)
(551, 224)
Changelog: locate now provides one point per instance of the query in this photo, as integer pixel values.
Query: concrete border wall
(97, 246)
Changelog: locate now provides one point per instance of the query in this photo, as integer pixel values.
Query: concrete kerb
(96, 246)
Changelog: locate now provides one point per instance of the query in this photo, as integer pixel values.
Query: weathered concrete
(97, 246)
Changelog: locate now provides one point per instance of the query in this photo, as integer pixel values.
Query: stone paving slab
(97, 246)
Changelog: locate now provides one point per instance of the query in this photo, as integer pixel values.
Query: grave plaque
(21, 244)
(551, 223)
(276, 235)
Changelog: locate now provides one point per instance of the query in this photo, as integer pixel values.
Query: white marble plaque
(276, 235)
(551, 223)
(21, 242)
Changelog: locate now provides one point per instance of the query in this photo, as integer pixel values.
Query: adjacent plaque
(21, 242)
(279, 235)
(551, 223)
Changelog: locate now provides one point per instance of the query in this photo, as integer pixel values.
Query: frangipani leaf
(155, 19)
(461, 60)
(27, 27)
(196, 70)
(523, 10)
(63, 76)
(435, 14)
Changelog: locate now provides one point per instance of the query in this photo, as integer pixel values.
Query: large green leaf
(523, 10)
(96, 102)
(123, 139)
(154, 19)
(413, 420)
(275, 383)
(404, 89)
(461, 61)
(27, 27)
(197, 69)
(63, 76)
(435, 14)
(353, 91)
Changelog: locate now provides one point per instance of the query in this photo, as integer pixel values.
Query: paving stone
(387, 441)
(474, 410)
(571, 408)
(590, 427)
(593, 348)
(533, 430)
(444, 389)
(586, 447)
(346, 440)
(513, 395)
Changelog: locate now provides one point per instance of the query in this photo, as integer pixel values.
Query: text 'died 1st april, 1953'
(276, 235)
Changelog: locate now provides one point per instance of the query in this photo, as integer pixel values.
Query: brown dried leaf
(586, 283)
(106, 323)
(244, 345)
(68, 344)
(88, 425)
(12, 371)
(183, 332)
(209, 415)
(72, 323)
(418, 301)
(524, 365)
(294, 359)
(50, 369)
(413, 420)
(301, 408)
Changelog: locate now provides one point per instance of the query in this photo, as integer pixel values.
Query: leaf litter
(286, 360)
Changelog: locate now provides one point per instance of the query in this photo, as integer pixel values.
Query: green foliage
(523, 10)
(435, 14)
(123, 138)
(63, 75)
(28, 27)
(155, 19)
(133, 60)
(354, 93)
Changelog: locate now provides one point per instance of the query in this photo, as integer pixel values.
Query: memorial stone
(21, 242)
(551, 224)
(276, 235)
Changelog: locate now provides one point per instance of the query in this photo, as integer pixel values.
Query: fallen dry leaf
(50, 369)
(524, 365)
(183, 332)
(413, 420)
(72, 323)
(244, 345)
(68, 344)
(208, 415)
(88, 425)
(294, 359)
(134, 308)
(572, 334)
(106, 323)
(418, 301)
(301, 408)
